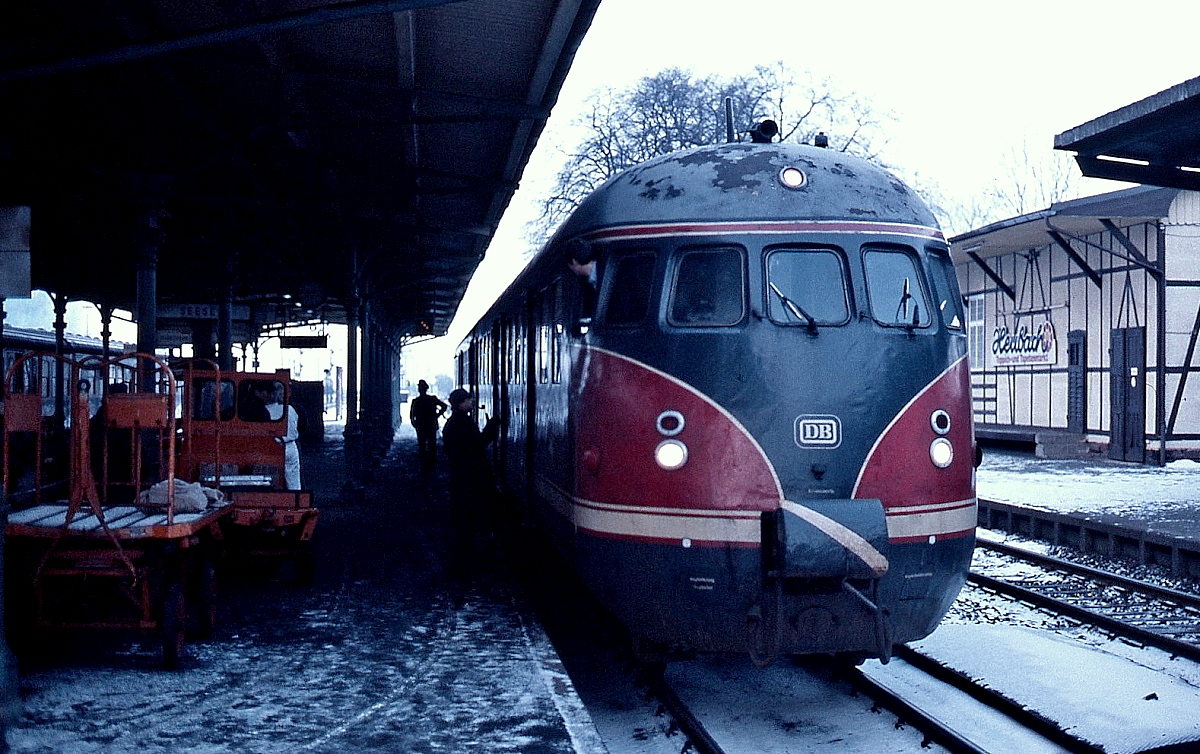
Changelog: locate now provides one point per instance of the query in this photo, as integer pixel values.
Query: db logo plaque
(818, 431)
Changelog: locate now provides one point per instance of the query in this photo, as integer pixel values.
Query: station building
(1083, 322)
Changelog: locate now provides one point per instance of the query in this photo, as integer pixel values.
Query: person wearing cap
(471, 483)
(424, 412)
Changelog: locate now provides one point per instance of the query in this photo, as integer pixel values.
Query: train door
(1127, 376)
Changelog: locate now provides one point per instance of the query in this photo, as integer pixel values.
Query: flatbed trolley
(117, 551)
(228, 445)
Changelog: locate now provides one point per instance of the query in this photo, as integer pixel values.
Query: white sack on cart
(190, 497)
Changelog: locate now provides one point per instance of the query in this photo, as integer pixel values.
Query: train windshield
(709, 289)
(806, 287)
(945, 290)
(894, 288)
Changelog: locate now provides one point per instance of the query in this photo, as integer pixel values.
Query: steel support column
(352, 448)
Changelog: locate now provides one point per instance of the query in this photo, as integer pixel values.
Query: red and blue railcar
(734, 390)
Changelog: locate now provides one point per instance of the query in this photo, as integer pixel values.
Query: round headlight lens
(941, 452)
(792, 178)
(670, 455)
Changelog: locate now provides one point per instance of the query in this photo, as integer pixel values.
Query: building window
(976, 333)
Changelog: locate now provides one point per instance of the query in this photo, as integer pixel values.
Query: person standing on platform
(424, 412)
(291, 451)
(472, 487)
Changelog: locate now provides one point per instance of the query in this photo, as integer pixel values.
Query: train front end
(771, 410)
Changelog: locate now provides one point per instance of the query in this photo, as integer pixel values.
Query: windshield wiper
(795, 309)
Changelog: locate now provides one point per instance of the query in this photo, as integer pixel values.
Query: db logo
(818, 431)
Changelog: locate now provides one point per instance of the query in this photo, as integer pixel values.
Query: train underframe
(731, 599)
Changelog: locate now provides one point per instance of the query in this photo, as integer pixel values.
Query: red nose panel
(921, 500)
(618, 429)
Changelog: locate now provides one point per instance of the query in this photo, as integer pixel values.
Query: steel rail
(1019, 714)
(1173, 595)
(934, 729)
(697, 735)
(1084, 615)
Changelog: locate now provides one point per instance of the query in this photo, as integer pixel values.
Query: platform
(381, 652)
(1145, 513)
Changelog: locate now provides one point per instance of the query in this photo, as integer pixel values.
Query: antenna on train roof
(729, 120)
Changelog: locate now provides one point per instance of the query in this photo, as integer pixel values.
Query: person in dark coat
(424, 412)
(472, 486)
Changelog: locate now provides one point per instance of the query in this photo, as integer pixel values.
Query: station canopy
(1155, 141)
(292, 156)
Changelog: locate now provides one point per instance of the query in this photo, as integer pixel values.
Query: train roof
(743, 182)
(730, 182)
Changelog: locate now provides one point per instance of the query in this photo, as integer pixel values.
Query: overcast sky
(967, 83)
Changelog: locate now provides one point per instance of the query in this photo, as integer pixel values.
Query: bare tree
(1027, 181)
(675, 109)
(1034, 180)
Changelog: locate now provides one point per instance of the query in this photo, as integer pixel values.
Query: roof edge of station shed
(1154, 141)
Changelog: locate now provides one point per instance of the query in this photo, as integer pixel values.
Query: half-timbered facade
(1083, 323)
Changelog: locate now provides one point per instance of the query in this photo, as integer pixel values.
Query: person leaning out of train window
(581, 260)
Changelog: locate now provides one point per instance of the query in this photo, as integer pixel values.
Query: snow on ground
(1167, 495)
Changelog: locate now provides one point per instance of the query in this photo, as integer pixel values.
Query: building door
(1077, 404)
(1127, 377)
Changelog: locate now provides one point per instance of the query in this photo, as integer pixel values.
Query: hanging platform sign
(303, 341)
(1028, 344)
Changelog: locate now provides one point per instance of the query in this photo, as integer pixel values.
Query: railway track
(1136, 610)
(941, 710)
(951, 711)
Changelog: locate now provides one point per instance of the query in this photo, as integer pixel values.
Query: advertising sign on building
(1026, 345)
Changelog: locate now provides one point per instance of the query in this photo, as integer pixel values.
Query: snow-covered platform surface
(1163, 499)
(385, 651)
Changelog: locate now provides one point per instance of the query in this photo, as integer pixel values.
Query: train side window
(806, 282)
(709, 289)
(945, 289)
(629, 288)
(894, 288)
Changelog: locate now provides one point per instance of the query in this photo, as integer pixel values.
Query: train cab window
(254, 397)
(894, 288)
(709, 289)
(945, 290)
(804, 284)
(209, 401)
(629, 289)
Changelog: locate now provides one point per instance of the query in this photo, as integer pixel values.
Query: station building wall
(1069, 388)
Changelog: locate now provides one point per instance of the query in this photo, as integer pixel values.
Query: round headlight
(940, 421)
(792, 178)
(941, 452)
(670, 455)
